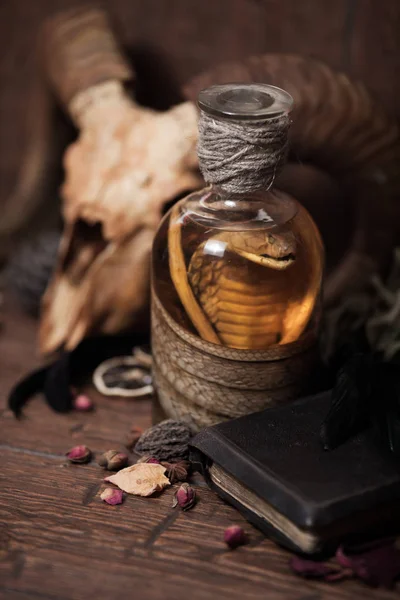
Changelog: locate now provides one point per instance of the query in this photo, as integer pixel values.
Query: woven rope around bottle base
(204, 384)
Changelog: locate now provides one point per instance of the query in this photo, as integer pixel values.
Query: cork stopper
(243, 101)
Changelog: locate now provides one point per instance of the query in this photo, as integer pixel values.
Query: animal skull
(127, 163)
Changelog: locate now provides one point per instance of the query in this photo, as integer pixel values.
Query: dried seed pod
(185, 497)
(177, 471)
(113, 460)
(234, 536)
(168, 440)
(112, 496)
(79, 454)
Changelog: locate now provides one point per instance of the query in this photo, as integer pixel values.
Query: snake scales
(235, 365)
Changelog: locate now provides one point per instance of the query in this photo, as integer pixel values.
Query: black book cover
(276, 456)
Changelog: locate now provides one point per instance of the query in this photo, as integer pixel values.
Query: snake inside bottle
(236, 273)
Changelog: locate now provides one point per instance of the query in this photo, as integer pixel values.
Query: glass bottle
(240, 271)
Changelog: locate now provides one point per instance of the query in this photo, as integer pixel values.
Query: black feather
(57, 385)
(384, 406)
(348, 413)
(25, 389)
(56, 379)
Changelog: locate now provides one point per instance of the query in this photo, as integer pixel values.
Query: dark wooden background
(176, 39)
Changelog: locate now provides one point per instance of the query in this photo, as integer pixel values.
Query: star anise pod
(177, 471)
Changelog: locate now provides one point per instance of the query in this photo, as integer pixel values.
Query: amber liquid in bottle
(248, 265)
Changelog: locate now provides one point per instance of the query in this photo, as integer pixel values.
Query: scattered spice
(79, 454)
(234, 536)
(112, 496)
(113, 460)
(133, 438)
(168, 440)
(148, 459)
(177, 471)
(376, 563)
(311, 569)
(185, 497)
(83, 403)
(142, 479)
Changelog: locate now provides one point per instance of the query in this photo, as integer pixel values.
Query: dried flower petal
(141, 479)
(113, 460)
(149, 459)
(168, 440)
(177, 471)
(185, 497)
(377, 564)
(234, 536)
(133, 437)
(79, 454)
(112, 496)
(83, 403)
(312, 569)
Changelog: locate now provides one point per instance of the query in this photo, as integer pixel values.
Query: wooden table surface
(58, 540)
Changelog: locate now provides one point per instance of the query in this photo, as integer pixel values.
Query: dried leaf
(311, 569)
(377, 563)
(142, 479)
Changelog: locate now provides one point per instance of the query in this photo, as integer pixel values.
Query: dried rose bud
(178, 471)
(113, 460)
(133, 437)
(149, 459)
(112, 496)
(185, 497)
(234, 536)
(79, 454)
(83, 403)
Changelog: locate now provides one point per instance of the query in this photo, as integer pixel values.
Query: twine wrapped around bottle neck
(242, 156)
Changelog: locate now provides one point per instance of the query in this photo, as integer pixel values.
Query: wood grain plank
(88, 549)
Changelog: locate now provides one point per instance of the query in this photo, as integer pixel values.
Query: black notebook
(271, 465)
